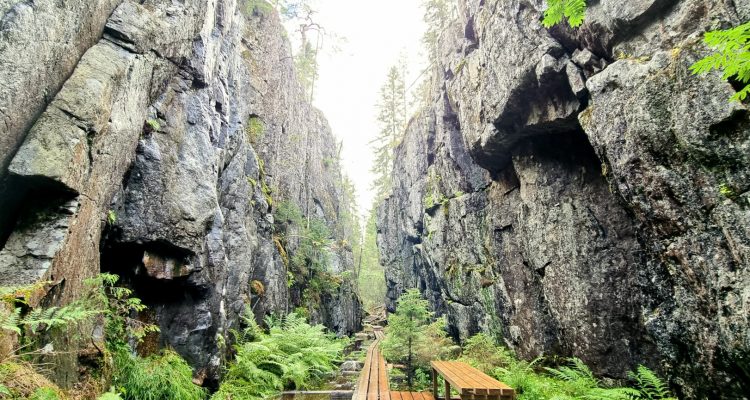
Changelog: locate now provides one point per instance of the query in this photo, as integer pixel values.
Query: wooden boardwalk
(373, 381)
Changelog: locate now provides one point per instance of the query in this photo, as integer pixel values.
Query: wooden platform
(469, 382)
(411, 396)
(373, 381)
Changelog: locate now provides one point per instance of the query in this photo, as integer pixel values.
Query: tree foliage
(557, 10)
(392, 109)
(372, 286)
(732, 57)
(413, 338)
(438, 14)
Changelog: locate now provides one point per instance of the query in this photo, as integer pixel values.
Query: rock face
(159, 160)
(580, 193)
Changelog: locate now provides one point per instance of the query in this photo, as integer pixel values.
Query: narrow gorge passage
(320, 199)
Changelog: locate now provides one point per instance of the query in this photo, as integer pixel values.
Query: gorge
(568, 192)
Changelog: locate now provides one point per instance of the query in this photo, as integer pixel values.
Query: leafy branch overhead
(732, 56)
(573, 10)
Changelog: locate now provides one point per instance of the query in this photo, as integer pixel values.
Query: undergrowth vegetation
(162, 376)
(310, 243)
(731, 56)
(292, 354)
(571, 381)
(532, 380)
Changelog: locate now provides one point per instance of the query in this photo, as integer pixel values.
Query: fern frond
(9, 320)
(731, 56)
(573, 10)
(649, 385)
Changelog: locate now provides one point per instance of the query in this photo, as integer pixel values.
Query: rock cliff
(581, 193)
(151, 139)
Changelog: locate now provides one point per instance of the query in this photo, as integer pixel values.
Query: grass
(19, 380)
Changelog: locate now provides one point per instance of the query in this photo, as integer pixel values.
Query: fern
(165, 376)
(9, 321)
(649, 385)
(732, 56)
(57, 316)
(46, 318)
(573, 10)
(292, 354)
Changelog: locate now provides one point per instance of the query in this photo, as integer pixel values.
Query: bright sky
(376, 33)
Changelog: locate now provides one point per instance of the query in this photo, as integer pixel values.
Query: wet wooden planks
(470, 382)
(373, 381)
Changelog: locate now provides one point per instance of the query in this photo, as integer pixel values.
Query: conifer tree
(407, 327)
(437, 15)
(371, 275)
(392, 110)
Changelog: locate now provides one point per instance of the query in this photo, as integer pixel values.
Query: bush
(292, 355)
(574, 380)
(165, 376)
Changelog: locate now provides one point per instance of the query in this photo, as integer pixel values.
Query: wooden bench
(469, 382)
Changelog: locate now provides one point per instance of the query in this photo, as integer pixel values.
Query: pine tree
(392, 110)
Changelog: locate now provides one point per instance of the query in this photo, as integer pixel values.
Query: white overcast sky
(376, 33)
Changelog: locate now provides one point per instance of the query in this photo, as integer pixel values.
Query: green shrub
(165, 376)
(110, 396)
(291, 355)
(261, 7)
(414, 338)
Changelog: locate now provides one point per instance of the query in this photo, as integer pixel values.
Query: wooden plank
(364, 378)
(495, 387)
(396, 396)
(372, 386)
(480, 386)
(427, 396)
(469, 380)
(451, 377)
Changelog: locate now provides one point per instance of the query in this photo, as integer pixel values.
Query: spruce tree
(407, 329)
(437, 15)
(392, 110)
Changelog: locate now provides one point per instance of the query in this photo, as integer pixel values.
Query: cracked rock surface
(138, 162)
(580, 193)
